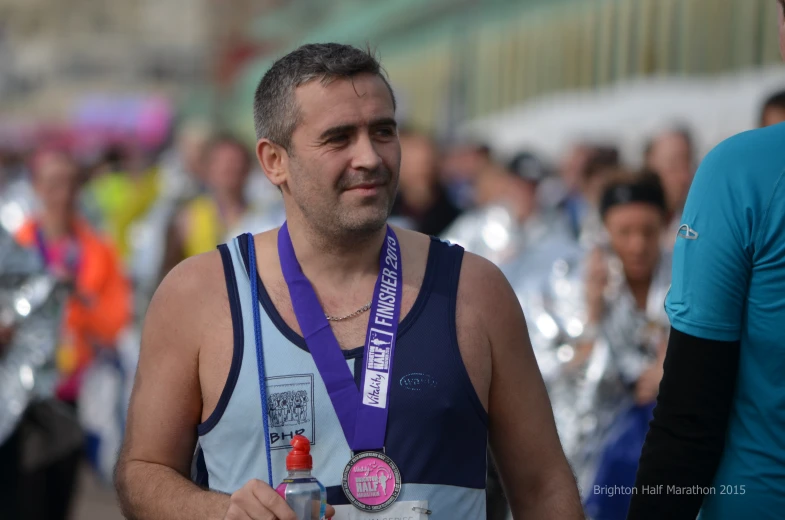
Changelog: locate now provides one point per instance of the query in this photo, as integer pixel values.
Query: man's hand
(258, 501)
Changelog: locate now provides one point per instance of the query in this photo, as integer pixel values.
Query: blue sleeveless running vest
(437, 427)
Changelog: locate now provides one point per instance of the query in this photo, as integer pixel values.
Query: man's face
(634, 231)
(671, 159)
(56, 184)
(227, 168)
(345, 156)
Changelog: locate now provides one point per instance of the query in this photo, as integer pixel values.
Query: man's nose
(365, 155)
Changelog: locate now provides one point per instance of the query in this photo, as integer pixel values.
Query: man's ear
(274, 161)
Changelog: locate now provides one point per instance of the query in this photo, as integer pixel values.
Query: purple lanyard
(363, 416)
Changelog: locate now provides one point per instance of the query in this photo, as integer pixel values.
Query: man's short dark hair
(275, 110)
(776, 100)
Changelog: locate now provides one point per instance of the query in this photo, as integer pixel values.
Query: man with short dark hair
(715, 444)
(233, 336)
(773, 111)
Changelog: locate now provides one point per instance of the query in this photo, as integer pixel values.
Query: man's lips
(365, 186)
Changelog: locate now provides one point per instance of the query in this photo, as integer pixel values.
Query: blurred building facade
(450, 61)
(53, 50)
(453, 61)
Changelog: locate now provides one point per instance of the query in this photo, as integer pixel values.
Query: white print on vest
(290, 409)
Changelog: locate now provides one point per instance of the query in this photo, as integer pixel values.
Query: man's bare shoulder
(193, 276)
(414, 249)
(486, 297)
(189, 295)
(412, 242)
(482, 284)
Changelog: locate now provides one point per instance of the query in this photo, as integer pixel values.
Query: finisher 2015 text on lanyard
(371, 480)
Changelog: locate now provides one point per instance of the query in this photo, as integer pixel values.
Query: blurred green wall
(455, 60)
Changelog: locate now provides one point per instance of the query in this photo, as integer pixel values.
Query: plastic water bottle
(305, 495)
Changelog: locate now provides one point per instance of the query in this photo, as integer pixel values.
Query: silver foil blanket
(587, 397)
(31, 303)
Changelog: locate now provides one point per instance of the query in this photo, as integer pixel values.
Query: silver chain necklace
(352, 315)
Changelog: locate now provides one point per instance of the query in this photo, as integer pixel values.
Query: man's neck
(336, 263)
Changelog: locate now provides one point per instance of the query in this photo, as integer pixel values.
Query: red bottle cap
(300, 456)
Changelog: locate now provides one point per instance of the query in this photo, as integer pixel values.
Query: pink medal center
(372, 481)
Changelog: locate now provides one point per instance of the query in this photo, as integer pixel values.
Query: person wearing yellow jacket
(123, 194)
(208, 219)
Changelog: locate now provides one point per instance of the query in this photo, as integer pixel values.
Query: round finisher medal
(371, 481)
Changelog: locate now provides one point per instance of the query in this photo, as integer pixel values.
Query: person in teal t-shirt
(717, 441)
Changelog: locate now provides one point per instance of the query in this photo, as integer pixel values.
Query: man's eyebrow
(337, 130)
(350, 127)
(384, 121)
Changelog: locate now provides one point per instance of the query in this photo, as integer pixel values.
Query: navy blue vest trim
(358, 371)
(239, 339)
(460, 366)
(202, 478)
(336, 496)
(299, 341)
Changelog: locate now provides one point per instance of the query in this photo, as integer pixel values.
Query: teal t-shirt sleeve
(712, 255)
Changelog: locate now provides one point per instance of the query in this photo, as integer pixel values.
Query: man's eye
(337, 139)
(385, 132)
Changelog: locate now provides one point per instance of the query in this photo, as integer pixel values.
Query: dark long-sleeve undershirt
(687, 435)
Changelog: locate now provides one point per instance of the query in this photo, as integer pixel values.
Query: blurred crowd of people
(585, 243)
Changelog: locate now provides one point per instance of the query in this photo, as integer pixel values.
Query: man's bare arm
(535, 473)
(153, 474)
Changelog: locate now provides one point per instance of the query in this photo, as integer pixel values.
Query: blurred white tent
(628, 113)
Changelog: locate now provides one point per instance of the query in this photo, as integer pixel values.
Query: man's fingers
(330, 512)
(250, 505)
(236, 512)
(270, 499)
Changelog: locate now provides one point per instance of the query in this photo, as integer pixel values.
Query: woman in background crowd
(100, 306)
(98, 309)
(626, 283)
